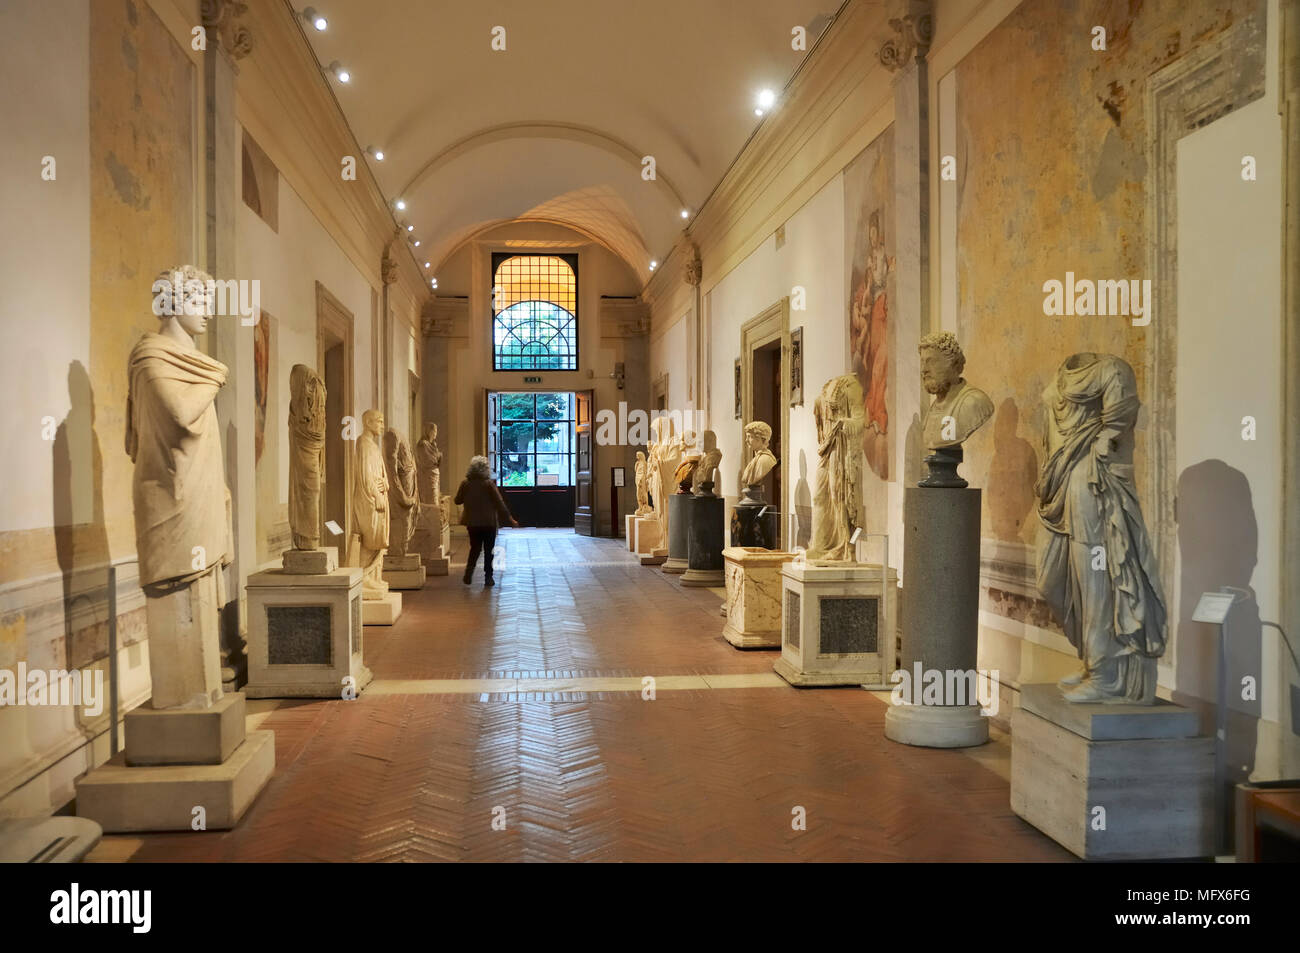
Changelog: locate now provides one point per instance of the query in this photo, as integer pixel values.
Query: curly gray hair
(945, 342)
(478, 468)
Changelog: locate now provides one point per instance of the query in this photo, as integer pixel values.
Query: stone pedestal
(305, 634)
(704, 541)
(648, 535)
(753, 606)
(1143, 766)
(629, 531)
(431, 540)
(383, 611)
(678, 520)
(403, 572)
(185, 643)
(323, 559)
(940, 631)
(837, 624)
(185, 736)
(750, 530)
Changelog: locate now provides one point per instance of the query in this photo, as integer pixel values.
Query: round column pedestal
(936, 726)
(704, 542)
(679, 518)
(940, 632)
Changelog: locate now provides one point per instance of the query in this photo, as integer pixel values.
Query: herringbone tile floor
(694, 774)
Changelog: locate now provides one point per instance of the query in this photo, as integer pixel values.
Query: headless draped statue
(428, 464)
(182, 518)
(1096, 570)
(306, 454)
(837, 504)
(370, 513)
(400, 467)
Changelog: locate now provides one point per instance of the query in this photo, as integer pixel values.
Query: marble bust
(757, 436)
(400, 466)
(182, 524)
(1087, 503)
(702, 479)
(370, 506)
(958, 409)
(306, 454)
(837, 504)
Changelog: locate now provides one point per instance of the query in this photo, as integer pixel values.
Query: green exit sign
(532, 380)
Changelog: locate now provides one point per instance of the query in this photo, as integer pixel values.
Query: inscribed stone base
(753, 606)
(381, 611)
(163, 797)
(305, 634)
(185, 735)
(185, 644)
(1144, 766)
(837, 625)
(311, 561)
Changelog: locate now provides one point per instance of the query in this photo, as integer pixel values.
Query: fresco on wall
(870, 253)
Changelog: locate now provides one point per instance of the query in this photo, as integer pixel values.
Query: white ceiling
(554, 127)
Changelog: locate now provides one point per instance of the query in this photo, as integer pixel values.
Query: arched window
(534, 312)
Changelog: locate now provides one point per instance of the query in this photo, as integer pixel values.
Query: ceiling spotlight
(315, 19)
(342, 75)
(400, 205)
(426, 264)
(410, 228)
(686, 213)
(433, 282)
(654, 265)
(758, 112)
(766, 99)
(417, 243)
(377, 154)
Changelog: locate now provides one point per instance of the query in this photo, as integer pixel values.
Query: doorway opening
(531, 445)
(766, 402)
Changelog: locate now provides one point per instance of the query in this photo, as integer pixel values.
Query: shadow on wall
(913, 461)
(1012, 474)
(803, 504)
(1218, 544)
(80, 536)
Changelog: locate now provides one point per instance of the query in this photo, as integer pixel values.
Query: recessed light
(377, 154)
(315, 19)
(426, 264)
(417, 243)
(654, 265)
(766, 99)
(686, 213)
(758, 112)
(341, 74)
(410, 228)
(400, 205)
(433, 282)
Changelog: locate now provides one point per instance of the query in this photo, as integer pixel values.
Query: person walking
(483, 510)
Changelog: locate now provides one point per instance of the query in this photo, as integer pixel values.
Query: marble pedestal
(940, 631)
(648, 535)
(185, 643)
(322, 559)
(629, 531)
(753, 606)
(678, 520)
(704, 541)
(748, 529)
(837, 624)
(175, 761)
(305, 634)
(403, 572)
(382, 611)
(432, 541)
(1144, 765)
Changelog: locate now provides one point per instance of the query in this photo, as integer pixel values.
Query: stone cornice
(445, 317)
(285, 101)
(623, 317)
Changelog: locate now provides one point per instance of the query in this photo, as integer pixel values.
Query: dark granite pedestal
(748, 527)
(679, 517)
(704, 541)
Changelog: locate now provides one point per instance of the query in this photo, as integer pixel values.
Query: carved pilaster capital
(911, 41)
(219, 20)
(693, 269)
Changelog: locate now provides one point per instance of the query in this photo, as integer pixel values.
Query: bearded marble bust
(958, 409)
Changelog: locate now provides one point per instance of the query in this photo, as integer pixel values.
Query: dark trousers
(481, 538)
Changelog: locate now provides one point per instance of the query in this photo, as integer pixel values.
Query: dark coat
(481, 503)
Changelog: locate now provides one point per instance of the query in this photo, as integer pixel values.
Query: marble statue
(837, 504)
(182, 522)
(757, 436)
(306, 454)
(428, 463)
(400, 467)
(702, 480)
(642, 476)
(370, 506)
(1097, 572)
(958, 409)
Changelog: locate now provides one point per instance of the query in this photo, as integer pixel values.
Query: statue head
(431, 432)
(710, 441)
(373, 421)
(942, 362)
(688, 438)
(640, 456)
(757, 435)
(186, 295)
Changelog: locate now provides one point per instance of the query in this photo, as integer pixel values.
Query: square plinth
(381, 611)
(185, 735)
(837, 624)
(311, 561)
(305, 634)
(165, 797)
(753, 606)
(629, 531)
(1144, 792)
(403, 572)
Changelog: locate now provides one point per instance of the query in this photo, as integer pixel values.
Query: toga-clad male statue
(306, 454)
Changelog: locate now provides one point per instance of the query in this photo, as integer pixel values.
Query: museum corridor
(529, 698)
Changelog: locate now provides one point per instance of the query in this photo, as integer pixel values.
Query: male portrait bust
(958, 409)
(757, 435)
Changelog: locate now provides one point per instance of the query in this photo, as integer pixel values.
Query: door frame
(334, 324)
(770, 324)
(586, 520)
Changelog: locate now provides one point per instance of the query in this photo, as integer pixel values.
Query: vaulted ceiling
(555, 126)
